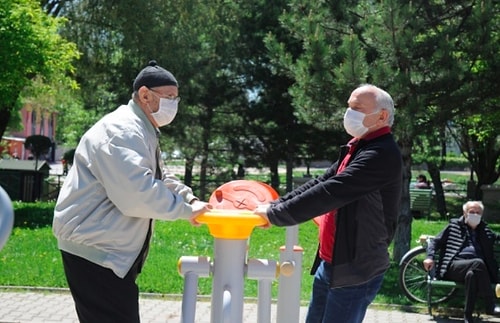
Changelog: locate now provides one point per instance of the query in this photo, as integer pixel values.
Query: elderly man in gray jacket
(117, 186)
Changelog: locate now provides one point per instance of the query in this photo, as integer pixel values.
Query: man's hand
(198, 208)
(428, 264)
(261, 210)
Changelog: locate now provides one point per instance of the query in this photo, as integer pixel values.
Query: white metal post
(265, 271)
(191, 267)
(288, 309)
(229, 266)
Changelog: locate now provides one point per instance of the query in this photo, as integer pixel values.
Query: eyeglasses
(170, 97)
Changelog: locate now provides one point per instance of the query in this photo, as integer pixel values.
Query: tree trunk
(275, 178)
(485, 166)
(4, 120)
(205, 139)
(433, 170)
(203, 177)
(403, 230)
(289, 167)
(188, 171)
(204, 164)
(289, 175)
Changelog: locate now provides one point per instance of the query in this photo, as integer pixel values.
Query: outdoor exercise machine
(231, 224)
(6, 217)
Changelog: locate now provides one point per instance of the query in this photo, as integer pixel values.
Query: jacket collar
(372, 136)
(140, 113)
(377, 133)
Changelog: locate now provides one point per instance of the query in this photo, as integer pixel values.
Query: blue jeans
(344, 304)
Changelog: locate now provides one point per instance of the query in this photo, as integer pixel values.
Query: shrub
(33, 214)
(456, 163)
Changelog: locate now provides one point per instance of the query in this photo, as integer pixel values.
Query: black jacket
(367, 196)
(450, 242)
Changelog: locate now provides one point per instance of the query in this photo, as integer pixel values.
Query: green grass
(31, 258)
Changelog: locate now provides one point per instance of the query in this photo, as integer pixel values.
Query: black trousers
(474, 274)
(100, 295)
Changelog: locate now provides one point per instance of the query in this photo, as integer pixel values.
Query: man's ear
(143, 94)
(384, 116)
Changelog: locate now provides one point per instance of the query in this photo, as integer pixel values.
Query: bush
(456, 163)
(33, 214)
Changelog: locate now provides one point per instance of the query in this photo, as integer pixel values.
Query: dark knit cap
(154, 75)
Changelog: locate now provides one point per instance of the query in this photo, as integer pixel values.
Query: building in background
(36, 121)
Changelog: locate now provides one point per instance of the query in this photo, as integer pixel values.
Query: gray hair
(468, 204)
(383, 101)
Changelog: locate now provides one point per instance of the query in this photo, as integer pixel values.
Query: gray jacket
(111, 193)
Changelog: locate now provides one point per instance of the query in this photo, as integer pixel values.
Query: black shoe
(495, 311)
(468, 318)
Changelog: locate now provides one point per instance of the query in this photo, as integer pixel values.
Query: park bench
(420, 201)
(422, 286)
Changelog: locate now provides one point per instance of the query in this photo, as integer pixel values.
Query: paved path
(57, 306)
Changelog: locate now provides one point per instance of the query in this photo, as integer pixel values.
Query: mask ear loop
(382, 117)
(149, 107)
(370, 114)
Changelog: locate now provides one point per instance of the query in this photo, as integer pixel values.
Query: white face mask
(166, 112)
(353, 122)
(473, 220)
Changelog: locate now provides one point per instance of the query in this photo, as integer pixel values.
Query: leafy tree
(95, 28)
(73, 120)
(477, 136)
(217, 54)
(205, 36)
(31, 46)
(192, 39)
(330, 63)
(475, 127)
(430, 149)
(463, 86)
(274, 132)
(39, 146)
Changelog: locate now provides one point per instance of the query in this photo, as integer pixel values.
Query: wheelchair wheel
(413, 279)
